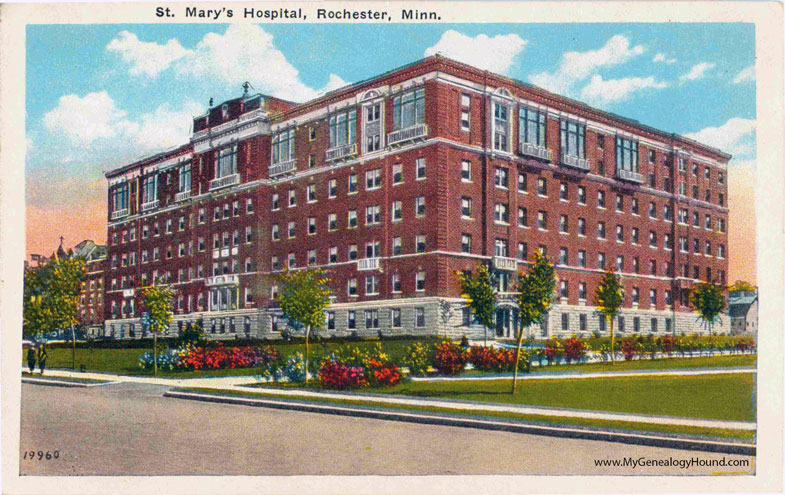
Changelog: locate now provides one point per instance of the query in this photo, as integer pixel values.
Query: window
(500, 247)
(310, 193)
(720, 178)
(600, 230)
(582, 297)
(563, 224)
(119, 196)
(274, 232)
(292, 198)
(419, 317)
(582, 227)
(573, 136)
(652, 156)
(601, 261)
(542, 220)
(371, 285)
(600, 199)
(311, 225)
(522, 182)
(668, 242)
(619, 203)
(332, 188)
(395, 317)
(332, 222)
(501, 177)
(351, 287)
(565, 321)
(290, 230)
(352, 184)
(653, 297)
(419, 205)
(667, 213)
(150, 188)
(626, 154)
(682, 164)
(582, 195)
(696, 219)
(501, 127)
(466, 207)
(652, 267)
(707, 248)
(582, 258)
(184, 178)
(342, 128)
(652, 239)
(563, 191)
(466, 243)
(420, 168)
(465, 120)
(634, 207)
(523, 217)
(352, 219)
(373, 179)
(373, 138)
(542, 187)
(351, 319)
(291, 261)
(531, 126)
(409, 109)
(395, 282)
(397, 173)
(397, 212)
(397, 248)
(721, 199)
(282, 147)
(275, 203)
(419, 243)
(619, 233)
(707, 222)
(523, 251)
(352, 252)
(620, 263)
(564, 256)
(466, 171)
(332, 255)
(501, 213)
(419, 281)
(372, 215)
(720, 250)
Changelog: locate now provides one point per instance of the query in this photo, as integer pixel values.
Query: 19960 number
(41, 455)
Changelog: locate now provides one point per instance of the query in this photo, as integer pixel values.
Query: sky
(100, 96)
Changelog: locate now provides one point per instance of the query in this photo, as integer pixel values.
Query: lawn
(528, 418)
(721, 396)
(126, 361)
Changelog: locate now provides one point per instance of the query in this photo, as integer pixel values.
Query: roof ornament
(211, 102)
(246, 85)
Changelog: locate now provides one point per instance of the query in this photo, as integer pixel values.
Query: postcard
(392, 247)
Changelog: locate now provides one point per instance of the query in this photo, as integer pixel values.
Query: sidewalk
(239, 383)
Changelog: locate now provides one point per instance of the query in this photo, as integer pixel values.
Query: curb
(737, 448)
(61, 383)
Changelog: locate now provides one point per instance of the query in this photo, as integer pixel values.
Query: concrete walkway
(567, 375)
(239, 383)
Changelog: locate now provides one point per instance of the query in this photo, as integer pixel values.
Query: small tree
(709, 301)
(609, 298)
(536, 289)
(157, 300)
(741, 286)
(303, 297)
(480, 295)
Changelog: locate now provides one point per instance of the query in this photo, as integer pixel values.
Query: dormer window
(150, 188)
(226, 162)
(283, 146)
(342, 128)
(225, 112)
(573, 139)
(409, 109)
(627, 154)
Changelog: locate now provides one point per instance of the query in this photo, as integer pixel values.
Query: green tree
(303, 296)
(536, 289)
(51, 297)
(157, 300)
(742, 286)
(480, 295)
(709, 301)
(608, 298)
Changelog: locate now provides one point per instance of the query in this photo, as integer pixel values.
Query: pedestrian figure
(42, 359)
(31, 359)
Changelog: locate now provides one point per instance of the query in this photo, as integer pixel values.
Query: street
(131, 429)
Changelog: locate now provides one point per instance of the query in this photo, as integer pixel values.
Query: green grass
(732, 361)
(721, 396)
(528, 418)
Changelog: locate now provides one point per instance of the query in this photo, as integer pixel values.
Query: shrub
(336, 375)
(294, 368)
(494, 359)
(168, 360)
(667, 344)
(449, 358)
(574, 349)
(630, 348)
(378, 373)
(554, 350)
(417, 359)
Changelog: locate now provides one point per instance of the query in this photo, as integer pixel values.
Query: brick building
(396, 182)
(91, 297)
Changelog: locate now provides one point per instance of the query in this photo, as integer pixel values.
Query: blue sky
(101, 95)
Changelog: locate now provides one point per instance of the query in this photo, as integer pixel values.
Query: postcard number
(41, 455)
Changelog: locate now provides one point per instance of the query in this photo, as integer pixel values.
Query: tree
(609, 298)
(536, 289)
(480, 295)
(742, 286)
(709, 301)
(303, 296)
(157, 300)
(51, 297)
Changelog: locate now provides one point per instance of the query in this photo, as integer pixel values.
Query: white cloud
(601, 92)
(578, 66)
(747, 74)
(495, 54)
(84, 119)
(166, 127)
(146, 58)
(736, 136)
(661, 58)
(698, 71)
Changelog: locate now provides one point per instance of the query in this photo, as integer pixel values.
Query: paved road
(129, 428)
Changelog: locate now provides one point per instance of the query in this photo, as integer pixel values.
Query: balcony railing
(629, 175)
(340, 152)
(419, 131)
(536, 151)
(502, 263)
(229, 279)
(575, 162)
(182, 196)
(119, 213)
(228, 180)
(283, 168)
(128, 292)
(150, 205)
(366, 264)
